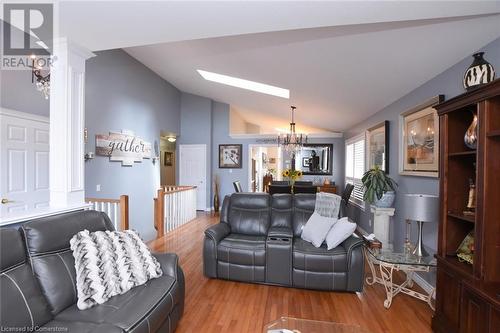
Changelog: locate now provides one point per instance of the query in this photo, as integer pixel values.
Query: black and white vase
(478, 73)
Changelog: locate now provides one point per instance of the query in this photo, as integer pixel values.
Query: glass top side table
(390, 261)
(297, 325)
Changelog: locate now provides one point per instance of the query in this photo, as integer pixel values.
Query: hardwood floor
(225, 306)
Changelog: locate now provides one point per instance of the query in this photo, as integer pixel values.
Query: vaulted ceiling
(341, 61)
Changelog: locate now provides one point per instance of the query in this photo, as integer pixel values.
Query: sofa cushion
(143, 306)
(47, 241)
(243, 250)
(318, 259)
(281, 210)
(303, 207)
(12, 245)
(250, 213)
(22, 304)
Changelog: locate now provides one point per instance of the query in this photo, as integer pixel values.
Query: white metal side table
(388, 262)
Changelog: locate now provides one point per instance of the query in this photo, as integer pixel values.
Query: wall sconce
(157, 153)
(88, 156)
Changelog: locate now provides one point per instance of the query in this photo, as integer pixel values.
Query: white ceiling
(342, 61)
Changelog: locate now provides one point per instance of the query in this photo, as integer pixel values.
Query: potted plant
(291, 175)
(379, 188)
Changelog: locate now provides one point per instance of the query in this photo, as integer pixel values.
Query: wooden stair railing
(173, 206)
(116, 209)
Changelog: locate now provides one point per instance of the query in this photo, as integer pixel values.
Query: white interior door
(24, 162)
(193, 171)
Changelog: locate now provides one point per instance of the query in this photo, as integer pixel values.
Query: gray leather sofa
(38, 291)
(258, 240)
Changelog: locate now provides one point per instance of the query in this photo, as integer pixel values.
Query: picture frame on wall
(168, 159)
(419, 140)
(377, 145)
(230, 156)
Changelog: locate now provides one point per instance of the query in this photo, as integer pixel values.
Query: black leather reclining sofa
(258, 240)
(38, 291)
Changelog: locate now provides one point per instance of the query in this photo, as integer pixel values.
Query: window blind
(355, 167)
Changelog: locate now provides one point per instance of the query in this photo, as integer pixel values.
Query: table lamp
(421, 208)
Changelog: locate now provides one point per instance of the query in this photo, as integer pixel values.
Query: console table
(388, 262)
(329, 188)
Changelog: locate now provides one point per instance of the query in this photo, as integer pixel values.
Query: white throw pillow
(110, 263)
(339, 232)
(317, 228)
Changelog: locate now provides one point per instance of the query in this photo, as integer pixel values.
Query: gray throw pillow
(317, 228)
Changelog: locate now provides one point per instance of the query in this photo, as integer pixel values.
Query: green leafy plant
(376, 183)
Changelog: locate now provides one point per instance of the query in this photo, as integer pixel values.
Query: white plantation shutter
(355, 166)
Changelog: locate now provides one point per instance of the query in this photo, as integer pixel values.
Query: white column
(67, 117)
(381, 219)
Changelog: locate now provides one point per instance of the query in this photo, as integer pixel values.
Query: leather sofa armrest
(352, 243)
(355, 263)
(280, 232)
(169, 263)
(218, 232)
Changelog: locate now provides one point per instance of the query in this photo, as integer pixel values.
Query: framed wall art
(419, 140)
(377, 143)
(230, 156)
(168, 158)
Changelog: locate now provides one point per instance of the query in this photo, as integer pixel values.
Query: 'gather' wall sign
(122, 146)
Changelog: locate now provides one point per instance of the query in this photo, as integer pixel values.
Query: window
(355, 167)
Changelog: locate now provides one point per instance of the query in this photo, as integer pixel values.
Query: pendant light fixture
(292, 141)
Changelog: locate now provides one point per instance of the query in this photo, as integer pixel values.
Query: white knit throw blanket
(110, 263)
(327, 204)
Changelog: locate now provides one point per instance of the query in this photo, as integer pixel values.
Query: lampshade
(421, 207)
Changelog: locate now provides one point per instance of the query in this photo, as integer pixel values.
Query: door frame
(257, 145)
(181, 176)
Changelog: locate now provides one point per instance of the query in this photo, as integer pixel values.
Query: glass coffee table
(297, 325)
(390, 261)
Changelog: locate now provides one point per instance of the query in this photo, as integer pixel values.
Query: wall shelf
(493, 133)
(461, 216)
(463, 153)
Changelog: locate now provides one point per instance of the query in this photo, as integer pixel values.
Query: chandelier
(292, 141)
(42, 82)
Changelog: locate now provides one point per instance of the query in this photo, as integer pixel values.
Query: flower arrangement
(292, 175)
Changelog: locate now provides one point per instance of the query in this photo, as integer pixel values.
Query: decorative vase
(216, 203)
(478, 73)
(387, 200)
(470, 138)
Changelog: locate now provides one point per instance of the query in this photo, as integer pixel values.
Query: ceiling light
(245, 84)
(171, 139)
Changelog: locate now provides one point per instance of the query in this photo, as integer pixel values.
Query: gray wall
(196, 120)
(18, 93)
(121, 93)
(448, 83)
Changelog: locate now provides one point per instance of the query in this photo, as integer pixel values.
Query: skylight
(245, 84)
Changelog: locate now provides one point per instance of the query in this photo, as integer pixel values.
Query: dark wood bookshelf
(466, 298)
